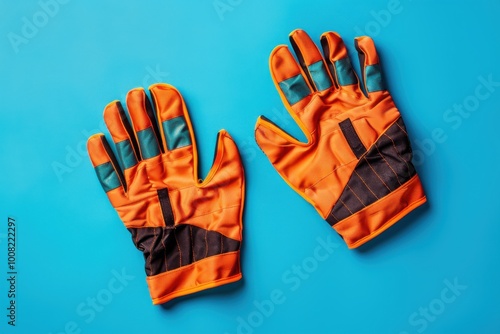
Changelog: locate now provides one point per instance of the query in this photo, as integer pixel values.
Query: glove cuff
(207, 273)
(382, 214)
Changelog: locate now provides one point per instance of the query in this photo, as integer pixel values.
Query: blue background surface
(71, 243)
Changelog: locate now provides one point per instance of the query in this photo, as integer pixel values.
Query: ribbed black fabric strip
(399, 139)
(365, 171)
(384, 168)
(352, 138)
(213, 240)
(362, 189)
(385, 174)
(199, 244)
(166, 207)
(183, 236)
(340, 212)
(167, 248)
(352, 200)
(170, 247)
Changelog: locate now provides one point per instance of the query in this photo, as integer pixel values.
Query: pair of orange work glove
(355, 167)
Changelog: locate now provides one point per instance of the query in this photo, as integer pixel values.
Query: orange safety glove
(355, 168)
(188, 230)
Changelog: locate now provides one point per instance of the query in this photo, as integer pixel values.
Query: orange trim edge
(208, 273)
(379, 216)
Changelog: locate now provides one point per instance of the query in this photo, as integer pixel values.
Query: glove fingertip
(95, 149)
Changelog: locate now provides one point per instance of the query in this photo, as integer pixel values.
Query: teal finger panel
(126, 154)
(345, 73)
(295, 89)
(320, 76)
(374, 80)
(148, 143)
(176, 133)
(107, 176)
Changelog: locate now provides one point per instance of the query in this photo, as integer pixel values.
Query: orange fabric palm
(189, 231)
(355, 167)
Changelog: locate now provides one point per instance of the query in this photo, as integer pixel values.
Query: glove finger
(289, 79)
(369, 64)
(106, 167)
(173, 117)
(122, 134)
(227, 169)
(144, 123)
(338, 61)
(294, 89)
(311, 60)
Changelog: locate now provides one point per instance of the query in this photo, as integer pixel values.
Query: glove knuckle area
(217, 202)
(214, 207)
(325, 172)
